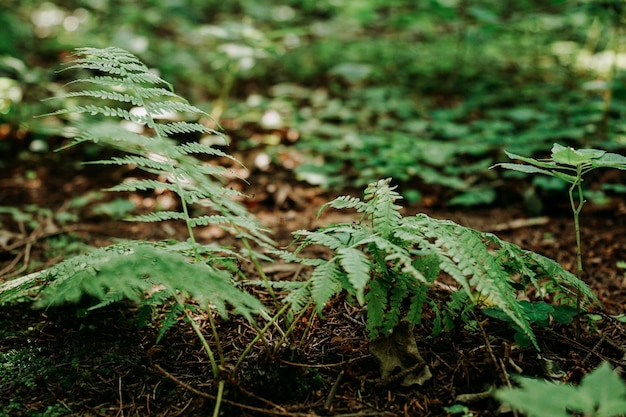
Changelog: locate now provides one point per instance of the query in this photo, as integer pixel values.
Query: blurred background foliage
(341, 92)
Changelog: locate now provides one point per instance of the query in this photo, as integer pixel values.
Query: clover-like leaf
(575, 157)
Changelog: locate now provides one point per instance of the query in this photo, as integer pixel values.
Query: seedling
(569, 165)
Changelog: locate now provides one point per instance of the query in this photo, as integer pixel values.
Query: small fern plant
(390, 263)
(155, 274)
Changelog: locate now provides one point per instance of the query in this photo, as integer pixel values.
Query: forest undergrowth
(378, 312)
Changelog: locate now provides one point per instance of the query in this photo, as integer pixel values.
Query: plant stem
(218, 399)
(205, 345)
(259, 269)
(576, 209)
(218, 344)
(260, 334)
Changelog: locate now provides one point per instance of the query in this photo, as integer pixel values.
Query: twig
(497, 363)
(380, 382)
(519, 224)
(233, 403)
(120, 411)
(333, 390)
(325, 366)
(590, 350)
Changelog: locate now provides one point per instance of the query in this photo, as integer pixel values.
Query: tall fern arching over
(390, 263)
(126, 93)
(123, 105)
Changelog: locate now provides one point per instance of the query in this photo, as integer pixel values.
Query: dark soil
(57, 362)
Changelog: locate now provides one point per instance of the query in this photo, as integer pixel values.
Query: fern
(130, 270)
(178, 275)
(124, 80)
(388, 261)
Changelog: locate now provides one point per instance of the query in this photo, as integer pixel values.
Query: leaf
(542, 164)
(324, 284)
(603, 392)
(357, 267)
(564, 314)
(571, 156)
(526, 169)
(538, 311)
(539, 398)
(610, 160)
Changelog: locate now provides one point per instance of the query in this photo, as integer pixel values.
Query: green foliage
(151, 274)
(570, 165)
(388, 262)
(602, 393)
(124, 79)
(131, 270)
(567, 164)
(432, 102)
(538, 313)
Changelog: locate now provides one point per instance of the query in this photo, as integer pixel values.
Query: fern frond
(465, 256)
(140, 161)
(158, 216)
(398, 291)
(143, 185)
(385, 213)
(107, 95)
(343, 202)
(329, 240)
(376, 299)
(557, 273)
(324, 284)
(171, 317)
(109, 298)
(395, 255)
(221, 220)
(132, 269)
(299, 297)
(173, 128)
(195, 147)
(290, 257)
(160, 108)
(357, 268)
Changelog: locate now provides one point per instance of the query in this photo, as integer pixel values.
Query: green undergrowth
(394, 266)
(354, 106)
(390, 263)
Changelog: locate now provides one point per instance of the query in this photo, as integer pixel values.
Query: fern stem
(260, 334)
(292, 326)
(205, 344)
(259, 269)
(218, 343)
(192, 237)
(308, 325)
(218, 398)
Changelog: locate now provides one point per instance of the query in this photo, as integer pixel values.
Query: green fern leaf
(136, 160)
(357, 268)
(160, 108)
(299, 297)
(385, 213)
(376, 299)
(320, 238)
(158, 216)
(343, 202)
(173, 128)
(194, 147)
(324, 284)
(172, 316)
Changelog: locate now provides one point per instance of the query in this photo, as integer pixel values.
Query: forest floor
(56, 363)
